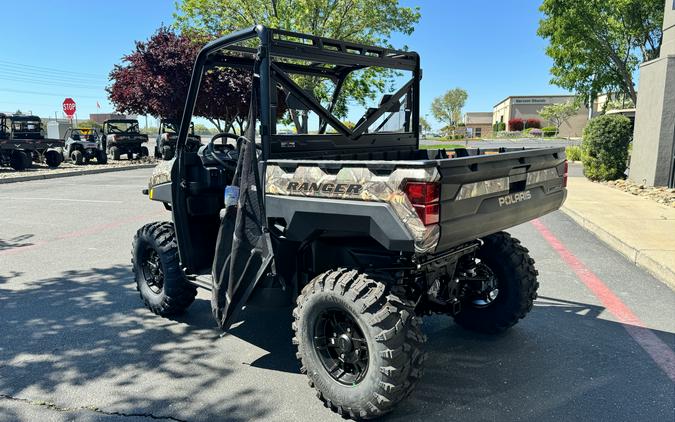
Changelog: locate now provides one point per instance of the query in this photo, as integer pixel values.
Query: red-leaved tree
(154, 79)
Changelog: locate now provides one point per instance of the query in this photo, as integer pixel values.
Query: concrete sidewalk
(642, 230)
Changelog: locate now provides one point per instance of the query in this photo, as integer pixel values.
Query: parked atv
(83, 145)
(22, 142)
(360, 229)
(123, 136)
(165, 145)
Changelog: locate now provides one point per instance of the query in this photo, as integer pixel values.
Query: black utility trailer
(123, 136)
(357, 227)
(22, 142)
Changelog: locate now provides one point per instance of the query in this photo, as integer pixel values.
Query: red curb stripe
(659, 351)
(80, 233)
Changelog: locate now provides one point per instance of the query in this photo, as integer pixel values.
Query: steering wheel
(223, 136)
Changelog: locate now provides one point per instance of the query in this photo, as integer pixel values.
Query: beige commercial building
(528, 107)
(478, 124)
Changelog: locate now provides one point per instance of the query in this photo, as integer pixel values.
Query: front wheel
(20, 160)
(159, 279)
(115, 152)
(358, 342)
(76, 157)
(508, 267)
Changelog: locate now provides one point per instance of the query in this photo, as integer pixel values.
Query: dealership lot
(77, 344)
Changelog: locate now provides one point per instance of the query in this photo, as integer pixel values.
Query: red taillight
(424, 197)
(565, 174)
(421, 193)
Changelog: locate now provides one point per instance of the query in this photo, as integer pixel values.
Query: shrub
(536, 132)
(604, 149)
(527, 131)
(533, 123)
(549, 131)
(573, 153)
(499, 127)
(516, 124)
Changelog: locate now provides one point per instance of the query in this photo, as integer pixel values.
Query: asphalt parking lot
(77, 344)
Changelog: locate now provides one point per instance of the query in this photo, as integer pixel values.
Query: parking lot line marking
(661, 354)
(60, 199)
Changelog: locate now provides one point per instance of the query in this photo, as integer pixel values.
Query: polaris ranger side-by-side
(365, 231)
(82, 145)
(22, 141)
(123, 136)
(165, 145)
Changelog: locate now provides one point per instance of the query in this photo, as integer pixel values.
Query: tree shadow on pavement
(84, 336)
(15, 242)
(562, 362)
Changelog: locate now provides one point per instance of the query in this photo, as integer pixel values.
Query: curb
(636, 256)
(74, 173)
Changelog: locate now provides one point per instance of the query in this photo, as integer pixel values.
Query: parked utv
(22, 142)
(82, 145)
(165, 145)
(361, 229)
(123, 136)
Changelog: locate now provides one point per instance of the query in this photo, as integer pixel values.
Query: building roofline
(538, 96)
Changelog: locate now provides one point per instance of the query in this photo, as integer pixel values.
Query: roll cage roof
(280, 54)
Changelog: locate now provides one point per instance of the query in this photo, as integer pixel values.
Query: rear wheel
(20, 160)
(159, 279)
(167, 153)
(53, 158)
(115, 152)
(508, 267)
(144, 152)
(77, 157)
(101, 157)
(358, 342)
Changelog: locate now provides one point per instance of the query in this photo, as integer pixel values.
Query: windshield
(84, 134)
(123, 127)
(26, 126)
(168, 126)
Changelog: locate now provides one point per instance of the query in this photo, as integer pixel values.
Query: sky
(487, 47)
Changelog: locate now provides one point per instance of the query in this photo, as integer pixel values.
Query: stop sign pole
(69, 107)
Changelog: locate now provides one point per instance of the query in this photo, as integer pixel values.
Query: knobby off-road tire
(20, 160)
(77, 157)
(384, 320)
(144, 152)
(115, 152)
(167, 153)
(165, 292)
(517, 283)
(101, 157)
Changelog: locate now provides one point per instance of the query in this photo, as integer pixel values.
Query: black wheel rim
(152, 270)
(341, 346)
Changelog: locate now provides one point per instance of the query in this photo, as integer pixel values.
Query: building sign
(532, 100)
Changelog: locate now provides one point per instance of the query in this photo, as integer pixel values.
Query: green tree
(604, 149)
(596, 45)
(448, 107)
(560, 113)
(88, 123)
(370, 22)
(424, 125)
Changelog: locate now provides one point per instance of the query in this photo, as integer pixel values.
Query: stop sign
(69, 107)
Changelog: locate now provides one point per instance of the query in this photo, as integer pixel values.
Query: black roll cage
(308, 55)
(327, 58)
